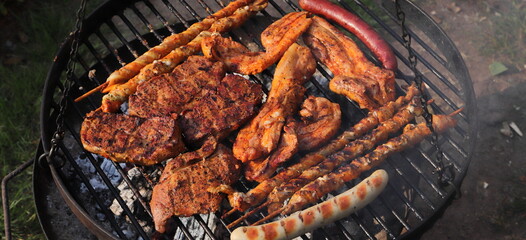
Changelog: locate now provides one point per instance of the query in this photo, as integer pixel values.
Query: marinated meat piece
(130, 139)
(184, 191)
(201, 97)
(261, 136)
(354, 75)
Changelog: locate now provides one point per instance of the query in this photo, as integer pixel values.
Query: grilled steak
(200, 96)
(183, 191)
(124, 138)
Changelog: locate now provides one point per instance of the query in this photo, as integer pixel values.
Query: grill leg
(5, 199)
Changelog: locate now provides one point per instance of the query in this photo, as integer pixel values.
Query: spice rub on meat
(184, 191)
(131, 139)
(200, 96)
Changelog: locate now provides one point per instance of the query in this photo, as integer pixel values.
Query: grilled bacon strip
(119, 94)
(354, 149)
(242, 201)
(313, 191)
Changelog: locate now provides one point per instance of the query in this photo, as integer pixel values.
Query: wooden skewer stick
(97, 89)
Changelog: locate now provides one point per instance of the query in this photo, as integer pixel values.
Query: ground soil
(492, 204)
(493, 200)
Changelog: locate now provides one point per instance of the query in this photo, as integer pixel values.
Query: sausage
(354, 24)
(321, 214)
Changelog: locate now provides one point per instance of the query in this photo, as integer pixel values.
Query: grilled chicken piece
(259, 170)
(130, 139)
(205, 101)
(261, 136)
(354, 75)
(321, 120)
(183, 191)
(276, 39)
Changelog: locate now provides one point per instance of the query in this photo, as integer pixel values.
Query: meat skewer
(168, 44)
(279, 194)
(242, 201)
(352, 150)
(313, 191)
(120, 93)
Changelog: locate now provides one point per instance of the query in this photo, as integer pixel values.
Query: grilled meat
(183, 191)
(123, 138)
(354, 75)
(320, 120)
(261, 136)
(276, 39)
(201, 97)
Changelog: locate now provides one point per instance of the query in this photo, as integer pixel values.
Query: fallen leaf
(454, 8)
(496, 68)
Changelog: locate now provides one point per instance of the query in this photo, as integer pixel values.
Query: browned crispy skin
(183, 191)
(205, 101)
(259, 170)
(261, 136)
(321, 120)
(130, 139)
(276, 39)
(355, 76)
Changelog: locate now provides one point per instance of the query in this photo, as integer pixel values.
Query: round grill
(112, 199)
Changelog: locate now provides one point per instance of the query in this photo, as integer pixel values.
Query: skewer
(412, 135)
(241, 201)
(248, 214)
(96, 89)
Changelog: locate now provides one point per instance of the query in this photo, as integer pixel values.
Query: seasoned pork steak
(197, 92)
(183, 191)
(131, 139)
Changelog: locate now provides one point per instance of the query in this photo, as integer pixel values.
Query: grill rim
(113, 8)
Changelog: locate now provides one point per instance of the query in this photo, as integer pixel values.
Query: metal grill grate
(118, 32)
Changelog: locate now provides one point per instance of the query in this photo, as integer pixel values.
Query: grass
(46, 23)
(506, 39)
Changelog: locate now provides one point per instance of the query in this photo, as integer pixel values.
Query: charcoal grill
(119, 31)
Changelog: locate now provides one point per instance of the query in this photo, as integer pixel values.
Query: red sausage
(354, 24)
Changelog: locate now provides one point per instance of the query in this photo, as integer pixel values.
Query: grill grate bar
(134, 30)
(395, 214)
(110, 216)
(431, 86)
(364, 229)
(146, 22)
(410, 183)
(428, 49)
(204, 225)
(190, 9)
(404, 198)
(110, 186)
(159, 16)
(176, 13)
(423, 175)
(183, 228)
(109, 47)
(96, 55)
(123, 40)
(134, 189)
